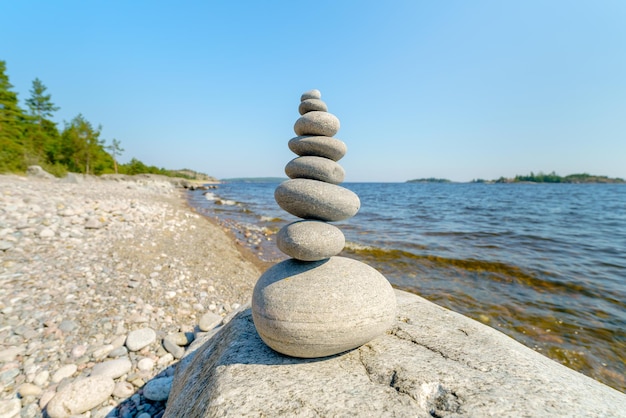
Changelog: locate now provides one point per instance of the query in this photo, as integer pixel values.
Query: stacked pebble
(313, 193)
(317, 304)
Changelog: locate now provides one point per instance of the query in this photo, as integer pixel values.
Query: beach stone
(5, 245)
(311, 94)
(9, 354)
(313, 199)
(67, 325)
(29, 389)
(112, 368)
(315, 168)
(46, 233)
(158, 389)
(65, 371)
(10, 408)
(317, 123)
(123, 389)
(140, 338)
(38, 172)
(174, 349)
(208, 321)
(310, 240)
(118, 352)
(320, 146)
(310, 105)
(293, 318)
(145, 364)
(80, 396)
(432, 363)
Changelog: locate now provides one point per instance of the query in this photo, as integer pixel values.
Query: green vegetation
(32, 138)
(555, 178)
(429, 180)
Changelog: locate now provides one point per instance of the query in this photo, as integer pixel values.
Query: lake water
(543, 263)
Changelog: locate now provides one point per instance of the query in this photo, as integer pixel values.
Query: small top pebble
(311, 94)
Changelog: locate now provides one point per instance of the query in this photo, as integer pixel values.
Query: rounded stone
(311, 94)
(317, 123)
(310, 240)
(80, 396)
(112, 368)
(321, 308)
(319, 146)
(158, 389)
(310, 105)
(313, 199)
(140, 338)
(315, 168)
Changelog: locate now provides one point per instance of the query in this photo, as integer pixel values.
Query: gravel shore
(102, 285)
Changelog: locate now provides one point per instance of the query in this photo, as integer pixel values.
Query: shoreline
(85, 263)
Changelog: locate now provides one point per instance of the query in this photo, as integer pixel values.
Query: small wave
(209, 196)
(225, 202)
(271, 219)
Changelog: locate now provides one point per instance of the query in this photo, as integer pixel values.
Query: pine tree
(82, 149)
(11, 126)
(40, 105)
(115, 149)
(42, 134)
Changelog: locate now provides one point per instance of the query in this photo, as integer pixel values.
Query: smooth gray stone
(37, 171)
(317, 123)
(80, 396)
(321, 308)
(311, 94)
(140, 338)
(310, 240)
(315, 168)
(208, 321)
(433, 362)
(310, 105)
(112, 368)
(319, 146)
(313, 199)
(158, 389)
(173, 348)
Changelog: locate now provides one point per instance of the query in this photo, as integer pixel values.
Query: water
(543, 263)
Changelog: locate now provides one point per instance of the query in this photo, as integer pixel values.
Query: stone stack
(318, 304)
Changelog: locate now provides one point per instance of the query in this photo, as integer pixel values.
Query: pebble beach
(103, 284)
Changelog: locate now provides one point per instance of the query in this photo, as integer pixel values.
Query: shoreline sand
(85, 263)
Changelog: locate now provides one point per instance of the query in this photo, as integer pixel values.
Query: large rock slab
(320, 308)
(433, 362)
(313, 199)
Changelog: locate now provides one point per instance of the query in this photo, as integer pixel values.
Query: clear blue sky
(452, 89)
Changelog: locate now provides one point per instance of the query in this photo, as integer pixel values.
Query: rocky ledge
(432, 363)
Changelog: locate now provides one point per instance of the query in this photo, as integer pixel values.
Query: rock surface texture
(317, 304)
(432, 362)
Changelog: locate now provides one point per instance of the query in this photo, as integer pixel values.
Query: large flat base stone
(433, 362)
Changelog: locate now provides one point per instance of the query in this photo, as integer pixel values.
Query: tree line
(30, 137)
(552, 177)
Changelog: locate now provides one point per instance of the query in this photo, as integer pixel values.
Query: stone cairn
(316, 303)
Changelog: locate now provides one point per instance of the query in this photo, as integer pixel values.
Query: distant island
(536, 178)
(429, 180)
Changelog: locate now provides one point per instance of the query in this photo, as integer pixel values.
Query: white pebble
(145, 364)
(65, 371)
